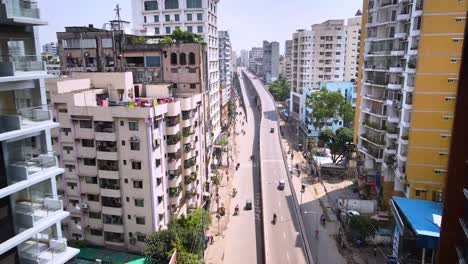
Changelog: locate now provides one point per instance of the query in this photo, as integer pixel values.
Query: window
(63, 110)
(95, 215)
(95, 232)
(144, 19)
(87, 143)
(338, 37)
(158, 162)
(135, 145)
(338, 53)
(171, 4)
(141, 238)
(190, 29)
(152, 61)
(156, 18)
(182, 59)
(191, 58)
(86, 124)
(137, 184)
(89, 162)
(199, 29)
(136, 165)
(193, 86)
(437, 196)
(419, 192)
(200, 16)
(189, 17)
(194, 4)
(173, 58)
(93, 197)
(140, 220)
(133, 126)
(91, 180)
(156, 31)
(151, 5)
(168, 30)
(337, 61)
(177, 17)
(139, 203)
(168, 18)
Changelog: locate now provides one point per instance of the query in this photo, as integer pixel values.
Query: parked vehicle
(248, 204)
(281, 184)
(360, 206)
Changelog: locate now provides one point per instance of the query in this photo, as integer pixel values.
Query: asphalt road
(244, 241)
(283, 242)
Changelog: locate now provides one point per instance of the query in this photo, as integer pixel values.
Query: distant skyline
(248, 22)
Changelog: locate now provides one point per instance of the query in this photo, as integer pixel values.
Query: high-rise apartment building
(225, 53)
(162, 17)
(287, 61)
(132, 155)
(50, 48)
(31, 212)
(353, 39)
(244, 58)
(270, 61)
(409, 72)
(318, 56)
(256, 61)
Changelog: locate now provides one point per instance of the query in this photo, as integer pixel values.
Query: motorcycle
(236, 210)
(234, 192)
(237, 166)
(274, 219)
(323, 220)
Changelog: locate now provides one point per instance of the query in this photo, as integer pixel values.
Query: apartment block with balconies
(30, 206)
(408, 76)
(132, 163)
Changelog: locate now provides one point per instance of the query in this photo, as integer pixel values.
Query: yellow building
(408, 76)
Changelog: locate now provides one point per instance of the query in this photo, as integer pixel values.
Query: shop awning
(423, 217)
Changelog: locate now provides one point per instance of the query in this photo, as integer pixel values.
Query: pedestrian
(211, 239)
(375, 251)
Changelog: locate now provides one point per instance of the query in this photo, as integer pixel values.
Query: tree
(188, 258)
(338, 142)
(279, 90)
(159, 246)
(328, 106)
(361, 227)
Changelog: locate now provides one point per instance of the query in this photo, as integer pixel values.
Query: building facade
(162, 17)
(256, 61)
(287, 61)
(244, 58)
(409, 72)
(225, 74)
(50, 49)
(31, 212)
(132, 155)
(353, 39)
(270, 61)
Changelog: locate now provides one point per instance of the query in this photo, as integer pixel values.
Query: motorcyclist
(322, 219)
(274, 217)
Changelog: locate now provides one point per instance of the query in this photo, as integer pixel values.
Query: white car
(352, 213)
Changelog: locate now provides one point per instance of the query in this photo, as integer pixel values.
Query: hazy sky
(248, 21)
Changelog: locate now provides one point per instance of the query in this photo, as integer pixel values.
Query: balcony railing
(21, 8)
(40, 252)
(9, 64)
(15, 119)
(30, 212)
(24, 170)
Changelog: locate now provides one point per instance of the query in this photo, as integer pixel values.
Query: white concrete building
(162, 17)
(131, 163)
(244, 58)
(270, 61)
(30, 209)
(256, 60)
(287, 61)
(225, 62)
(50, 48)
(353, 39)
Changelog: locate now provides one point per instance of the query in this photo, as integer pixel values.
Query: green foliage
(166, 40)
(328, 106)
(337, 142)
(185, 234)
(77, 243)
(138, 40)
(180, 36)
(280, 90)
(361, 227)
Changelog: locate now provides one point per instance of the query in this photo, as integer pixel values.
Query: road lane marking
(284, 234)
(287, 256)
(279, 204)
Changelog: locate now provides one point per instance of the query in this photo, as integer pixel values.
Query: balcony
(171, 148)
(190, 163)
(400, 173)
(22, 66)
(397, 52)
(23, 12)
(400, 35)
(392, 132)
(28, 213)
(40, 252)
(395, 69)
(373, 126)
(28, 169)
(394, 86)
(371, 152)
(27, 120)
(375, 140)
(173, 163)
(403, 17)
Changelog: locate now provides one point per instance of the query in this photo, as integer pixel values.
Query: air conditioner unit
(84, 205)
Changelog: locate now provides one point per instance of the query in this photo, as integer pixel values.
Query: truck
(361, 206)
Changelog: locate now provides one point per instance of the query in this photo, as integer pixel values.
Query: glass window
(87, 143)
(136, 165)
(183, 59)
(171, 4)
(151, 5)
(133, 126)
(153, 61)
(200, 29)
(95, 232)
(168, 18)
(140, 220)
(141, 238)
(91, 180)
(168, 30)
(200, 16)
(95, 215)
(156, 31)
(107, 42)
(177, 17)
(86, 124)
(144, 19)
(194, 4)
(139, 203)
(190, 29)
(89, 162)
(156, 18)
(173, 58)
(137, 184)
(189, 17)
(93, 197)
(135, 145)
(192, 58)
